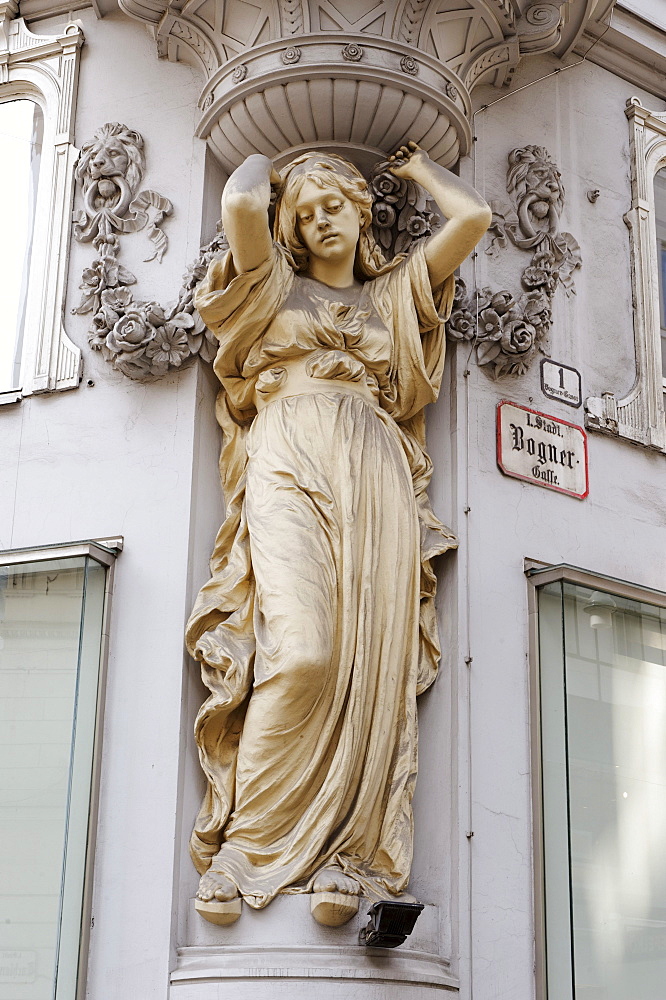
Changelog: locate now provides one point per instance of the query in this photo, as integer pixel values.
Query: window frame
(538, 575)
(103, 551)
(45, 69)
(640, 416)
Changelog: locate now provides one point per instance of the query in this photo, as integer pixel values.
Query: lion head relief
(110, 168)
(535, 186)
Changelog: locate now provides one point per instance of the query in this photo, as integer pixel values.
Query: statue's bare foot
(335, 897)
(335, 880)
(216, 886)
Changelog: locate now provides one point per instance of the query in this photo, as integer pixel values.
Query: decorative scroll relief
(507, 331)
(640, 415)
(142, 339)
(45, 68)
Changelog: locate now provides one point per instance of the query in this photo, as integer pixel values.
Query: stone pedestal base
(282, 953)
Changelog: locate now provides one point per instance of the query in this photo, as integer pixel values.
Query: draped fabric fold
(317, 628)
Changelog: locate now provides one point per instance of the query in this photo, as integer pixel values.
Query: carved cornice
(274, 98)
(447, 47)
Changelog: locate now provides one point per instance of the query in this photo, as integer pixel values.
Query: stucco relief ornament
(509, 331)
(141, 339)
(352, 52)
(409, 65)
(291, 55)
(110, 171)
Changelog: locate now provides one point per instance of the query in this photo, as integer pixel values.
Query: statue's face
(328, 222)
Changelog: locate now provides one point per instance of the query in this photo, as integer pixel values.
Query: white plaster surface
(121, 458)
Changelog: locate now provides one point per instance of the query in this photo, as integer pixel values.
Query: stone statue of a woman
(317, 629)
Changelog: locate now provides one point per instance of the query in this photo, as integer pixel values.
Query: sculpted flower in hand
(383, 214)
(389, 187)
(418, 226)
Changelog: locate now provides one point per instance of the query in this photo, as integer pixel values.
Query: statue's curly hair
(328, 170)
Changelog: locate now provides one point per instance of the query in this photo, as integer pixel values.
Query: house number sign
(541, 449)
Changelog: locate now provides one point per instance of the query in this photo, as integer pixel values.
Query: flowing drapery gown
(318, 623)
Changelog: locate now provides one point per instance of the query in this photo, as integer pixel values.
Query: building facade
(540, 807)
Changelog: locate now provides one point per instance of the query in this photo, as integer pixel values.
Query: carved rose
(501, 302)
(131, 333)
(409, 65)
(291, 55)
(518, 337)
(490, 325)
(389, 187)
(536, 306)
(352, 52)
(461, 325)
(383, 215)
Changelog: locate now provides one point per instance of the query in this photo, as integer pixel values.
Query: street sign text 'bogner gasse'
(541, 449)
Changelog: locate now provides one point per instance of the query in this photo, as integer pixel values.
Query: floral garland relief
(144, 340)
(507, 331)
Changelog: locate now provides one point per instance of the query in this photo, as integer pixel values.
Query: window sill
(9, 396)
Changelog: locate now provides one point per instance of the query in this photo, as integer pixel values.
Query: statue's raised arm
(467, 214)
(245, 202)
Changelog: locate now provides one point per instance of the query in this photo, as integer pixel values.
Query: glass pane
(660, 206)
(614, 732)
(559, 956)
(50, 634)
(21, 128)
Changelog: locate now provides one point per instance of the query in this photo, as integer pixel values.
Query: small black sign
(561, 382)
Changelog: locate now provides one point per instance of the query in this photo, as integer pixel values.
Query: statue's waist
(320, 371)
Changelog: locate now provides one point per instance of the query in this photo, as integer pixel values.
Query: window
(600, 811)
(21, 131)
(660, 221)
(38, 73)
(640, 416)
(53, 604)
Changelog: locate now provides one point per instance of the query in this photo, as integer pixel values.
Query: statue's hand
(407, 160)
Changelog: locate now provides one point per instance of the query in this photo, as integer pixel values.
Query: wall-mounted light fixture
(390, 924)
